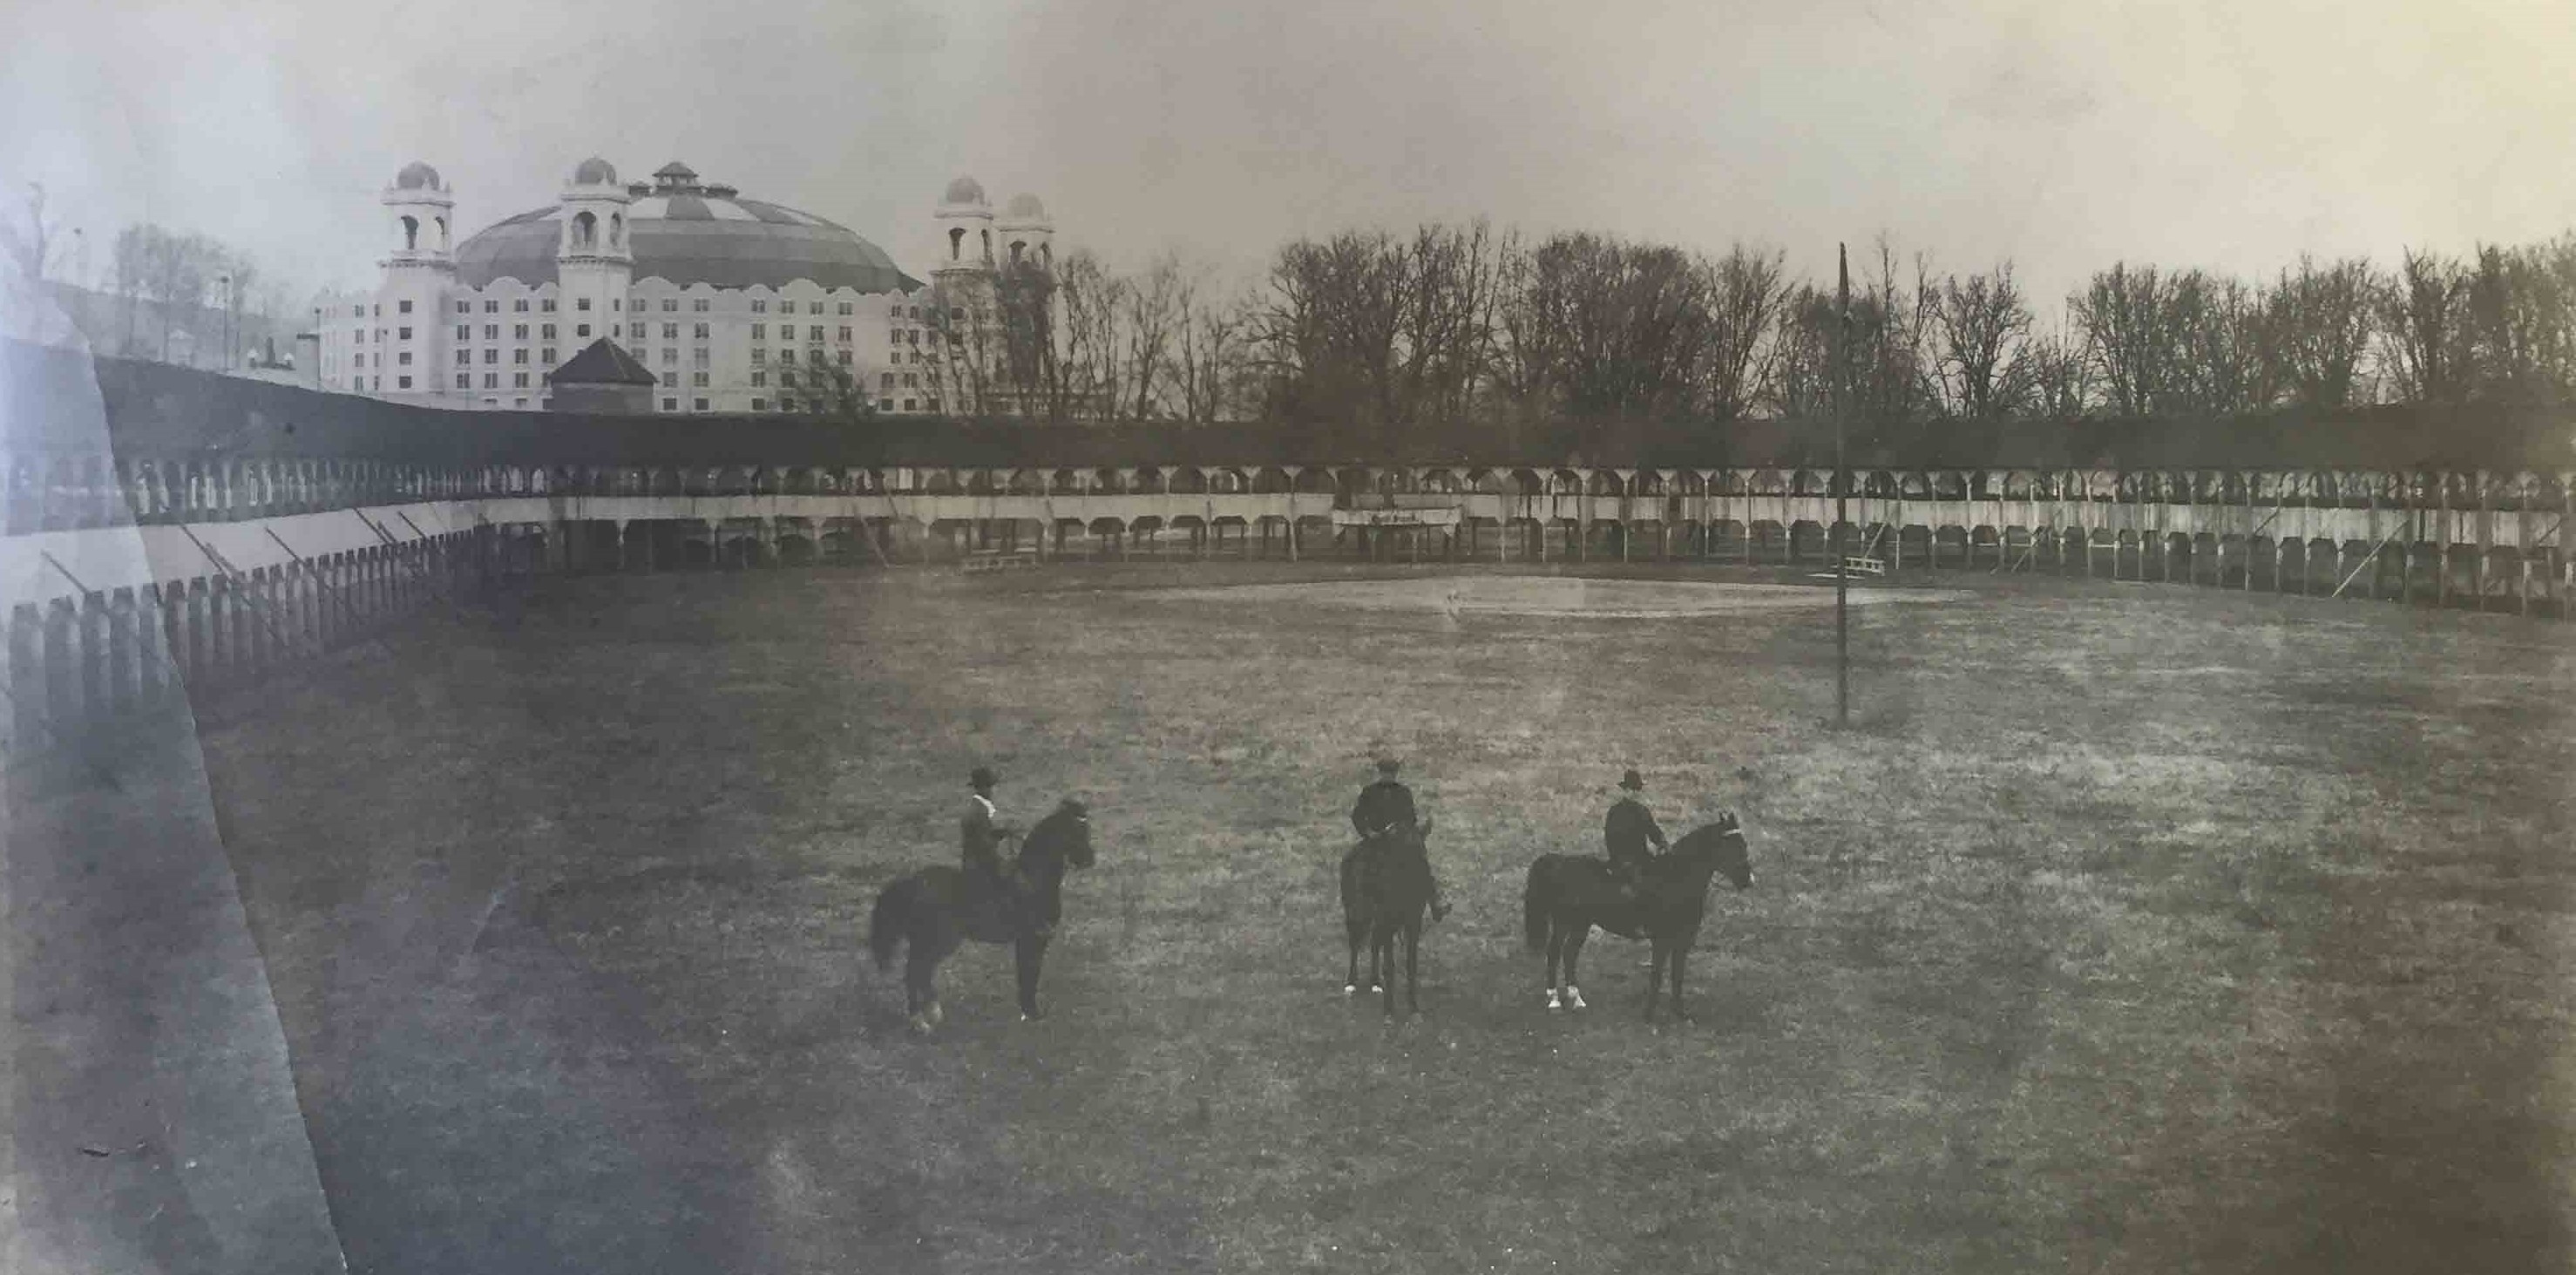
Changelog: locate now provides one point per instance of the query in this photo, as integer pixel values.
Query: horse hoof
(920, 1025)
(1377, 989)
(1575, 998)
(1028, 1016)
(936, 1015)
(1552, 1003)
(1350, 989)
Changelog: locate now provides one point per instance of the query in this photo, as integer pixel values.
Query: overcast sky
(2059, 133)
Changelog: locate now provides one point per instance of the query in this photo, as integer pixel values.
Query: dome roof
(1025, 207)
(964, 190)
(595, 171)
(723, 242)
(416, 176)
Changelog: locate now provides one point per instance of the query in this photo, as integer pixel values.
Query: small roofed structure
(603, 378)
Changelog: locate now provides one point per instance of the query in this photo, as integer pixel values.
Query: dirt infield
(1564, 596)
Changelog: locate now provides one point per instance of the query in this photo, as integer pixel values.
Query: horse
(1386, 884)
(936, 909)
(1567, 895)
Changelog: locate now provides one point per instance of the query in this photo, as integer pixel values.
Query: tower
(406, 348)
(593, 260)
(1025, 234)
(965, 229)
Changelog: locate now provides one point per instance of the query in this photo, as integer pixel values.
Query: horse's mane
(1704, 838)
(1045, 835)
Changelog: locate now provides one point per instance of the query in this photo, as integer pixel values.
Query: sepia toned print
(1104, 637)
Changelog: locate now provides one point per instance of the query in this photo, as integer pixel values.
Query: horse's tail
(885, 922)
(1534, 909)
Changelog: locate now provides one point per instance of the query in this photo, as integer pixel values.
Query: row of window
(491, 381)
(493, 355)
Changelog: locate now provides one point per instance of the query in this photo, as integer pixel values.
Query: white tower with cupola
(594, 262)
(406, 346)
(1024, 234)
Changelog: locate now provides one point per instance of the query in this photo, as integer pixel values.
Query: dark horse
(1386, 884)
(936, 909)
(1569, 894)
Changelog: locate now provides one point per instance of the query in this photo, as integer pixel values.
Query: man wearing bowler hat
(1627, 832)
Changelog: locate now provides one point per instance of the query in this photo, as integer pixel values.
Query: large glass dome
(709, 236)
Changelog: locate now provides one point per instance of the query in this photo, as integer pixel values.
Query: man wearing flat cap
(1389, 804)
(1627, 832)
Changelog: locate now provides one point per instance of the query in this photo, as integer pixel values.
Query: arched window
(411, 233)
(1018, 246)
(442, 234)
(956, 241)
(585, 230)
(988, 245)
(616, 230)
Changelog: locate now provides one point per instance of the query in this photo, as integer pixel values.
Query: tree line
(1370, 337)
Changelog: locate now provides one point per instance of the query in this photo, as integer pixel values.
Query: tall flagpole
(1842, 485)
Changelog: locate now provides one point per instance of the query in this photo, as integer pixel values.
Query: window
(464, 357)
(518, 402)
(635, 330)
(759, 379)
(360, 336)
(845, 358)
(491, 307)
(547, 305)
(465, 332)
(916, 312)
(518, 380)
(787, 378)
(894, 336)
(406, 333)
(492, 354)
(759, 307)
(465, 380)
(930, 405)
(547, 357)
(698, 379)
(814, 356)
(700, 403)
(670, 355)
(814, 333)
(957, 312)
(670, 332)
(671, 305)
(491, 380)
(670, 404)
(888, 380)
(845, 332)
(759, 355)
(885, 405)
(912, 336)
(670, 380)
(404, 358)
(519, 356)
(907, 405)
(465, 307)
(582, 332)
(759, 331)
(519, 306)
(402, 382)
(403, 308)
(582, 304)
(547, 331)
(759, 404)
(518, 331)
(491, 331)
(699, 331)
(699, 304)
(617, 303)
(813, 307)
(911, 382)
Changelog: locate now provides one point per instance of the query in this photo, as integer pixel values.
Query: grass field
(2133, 928)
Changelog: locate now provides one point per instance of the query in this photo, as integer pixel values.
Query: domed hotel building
(731, 304)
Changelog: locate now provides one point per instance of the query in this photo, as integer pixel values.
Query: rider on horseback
(1388, 804)
(983, 834)
(1626, 833)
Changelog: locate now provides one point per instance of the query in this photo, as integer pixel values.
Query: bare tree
(2322, 320)
(2423, 329)
(1745, 292)
(2127, 325)
(1982, 324)
(2056, 368)
(33, 240)
(1209, 350)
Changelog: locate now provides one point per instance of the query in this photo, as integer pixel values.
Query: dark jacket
(1629, 830)
(980, 837)
(1384, 804)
